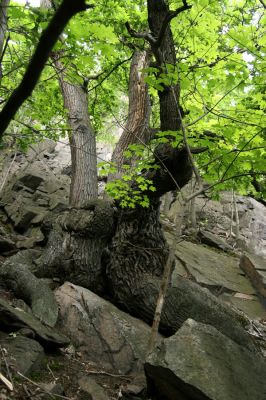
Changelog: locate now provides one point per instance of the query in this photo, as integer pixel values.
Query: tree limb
(206, 189)
(65, 12)
(117, 65)
(168, 19)
(263, 4)
(141, 35)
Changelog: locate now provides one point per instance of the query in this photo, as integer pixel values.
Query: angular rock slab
(25, 354)
(199, 362)
(212, 268)
(101, 331)
(216, 269)
(212, 240)
(12, 318)
(255, 269)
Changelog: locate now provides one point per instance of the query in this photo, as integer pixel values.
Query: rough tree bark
(140, 229)
(137, 126)
(84, 185)
(164, 52)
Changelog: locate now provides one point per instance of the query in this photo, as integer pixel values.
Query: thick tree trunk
(137, 126)
(138, 252)
(77, 256)
(76, 242)
(3, 28)
(129, 263)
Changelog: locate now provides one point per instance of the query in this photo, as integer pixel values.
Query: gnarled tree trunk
(138, 252)
(140, 229)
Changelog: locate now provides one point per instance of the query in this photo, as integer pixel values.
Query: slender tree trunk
(84, 184)
(137, 126)
(165, 54)
(3, 28)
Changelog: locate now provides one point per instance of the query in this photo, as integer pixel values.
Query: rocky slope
(73, 344)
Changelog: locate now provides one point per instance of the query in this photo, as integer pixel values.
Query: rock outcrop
(100, 331)
(215, 217)
(12, 319)
(199, 362)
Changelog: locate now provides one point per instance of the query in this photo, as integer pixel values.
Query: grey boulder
(200, 363)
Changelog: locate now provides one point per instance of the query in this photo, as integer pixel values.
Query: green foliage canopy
(221, 66)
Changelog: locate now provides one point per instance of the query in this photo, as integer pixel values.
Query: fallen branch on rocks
(42, 389)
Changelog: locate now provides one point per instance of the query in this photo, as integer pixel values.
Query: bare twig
(140, 35)
(4, 49)
(7, 173)
(206, 189)
(239, 152)
(117, 65)
(3, 353)
(163, 289)
(42, 389)
(236, 216)
(213, 107)
(7, 382)
(238, 121)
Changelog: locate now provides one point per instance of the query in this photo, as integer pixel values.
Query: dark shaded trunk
(139, 229)
(137, 126)
(3, 29)
(164, 54)
(138, 252)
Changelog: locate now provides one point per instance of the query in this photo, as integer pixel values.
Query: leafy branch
(49, 37)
